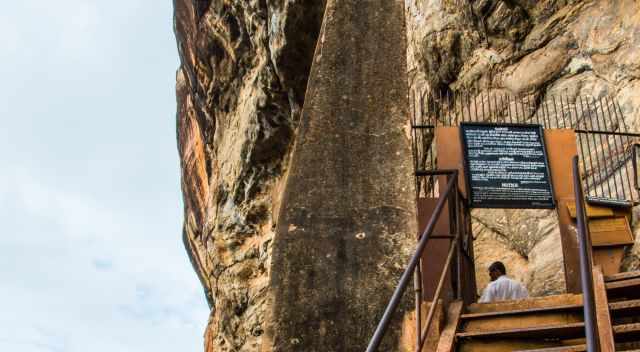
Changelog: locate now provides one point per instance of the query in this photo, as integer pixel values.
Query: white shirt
(503, 289)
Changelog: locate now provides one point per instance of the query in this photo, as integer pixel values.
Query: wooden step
(535, 310)
(525, 304)
(625, 308)
(504, 345)
(622, 276)
(565, 331)
(628, 346)
(627, 332)
(629, 288)
(623, 283)
(576, 348)
(532, 318)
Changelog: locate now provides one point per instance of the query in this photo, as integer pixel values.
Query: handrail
(383, 325)
(634, 161)
(586, 265)
(425, 331)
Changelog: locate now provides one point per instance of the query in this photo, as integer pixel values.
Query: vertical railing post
(453, 226)
(418, 297)
(458, 288)
(586, 266)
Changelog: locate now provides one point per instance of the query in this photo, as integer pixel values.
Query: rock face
(347, 222)
(588, 48)
(241, 87)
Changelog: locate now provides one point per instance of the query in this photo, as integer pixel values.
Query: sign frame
(467, 170)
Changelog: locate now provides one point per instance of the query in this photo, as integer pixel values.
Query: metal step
(568, 307)
(628, 308)
(564, 331)
(525, 304)
(576, 348)
(629, 288)
(622, 276)
(628, 346)
(627, 332)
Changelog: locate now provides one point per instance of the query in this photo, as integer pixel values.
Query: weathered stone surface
(526, 241)
(347, 221)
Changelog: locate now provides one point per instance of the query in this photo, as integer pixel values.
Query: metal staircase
(623, 300)
(606, 317)
(521, 325)
(605, 313)
(553, 323)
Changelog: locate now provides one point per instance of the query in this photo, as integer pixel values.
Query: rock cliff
(241, 87)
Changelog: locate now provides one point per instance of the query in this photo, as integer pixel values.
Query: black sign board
(506, 166)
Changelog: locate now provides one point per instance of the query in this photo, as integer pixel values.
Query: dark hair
(498, 266)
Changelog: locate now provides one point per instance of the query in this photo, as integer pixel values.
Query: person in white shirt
(502, 288)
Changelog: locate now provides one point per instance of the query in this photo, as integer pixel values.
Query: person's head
(496, 270)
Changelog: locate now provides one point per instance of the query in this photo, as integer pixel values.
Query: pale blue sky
(90, 251)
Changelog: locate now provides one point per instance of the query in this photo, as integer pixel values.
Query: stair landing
(552, 323)
(531, 324)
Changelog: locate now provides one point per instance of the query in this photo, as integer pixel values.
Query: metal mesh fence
(605, 144)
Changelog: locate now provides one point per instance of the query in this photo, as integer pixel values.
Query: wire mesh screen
(604, 141)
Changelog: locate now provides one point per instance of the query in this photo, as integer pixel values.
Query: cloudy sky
(90, 206)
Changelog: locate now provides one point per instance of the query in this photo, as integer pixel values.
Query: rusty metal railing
(604, 140)
(450, 194)
(586, 263)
